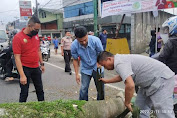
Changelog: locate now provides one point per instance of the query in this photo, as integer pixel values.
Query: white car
(3, 39)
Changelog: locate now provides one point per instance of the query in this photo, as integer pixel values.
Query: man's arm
(76, 68)
(23, 79)
(112, 80)
(129, 91)
(62, 51)
(99, 47)
(75, 56)
(62, 44)
(41, 60)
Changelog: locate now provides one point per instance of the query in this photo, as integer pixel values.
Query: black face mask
(33, 32)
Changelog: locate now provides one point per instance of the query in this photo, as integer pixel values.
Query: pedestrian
(152, 44)
(26, 48)
(9, 64)
(66, 50)
(159, 40)
(103, 38)
(55, 42)
(86, 47)
(169, 53)
(91, 33)
(155, 79)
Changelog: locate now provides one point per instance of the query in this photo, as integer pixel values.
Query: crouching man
(155, 79)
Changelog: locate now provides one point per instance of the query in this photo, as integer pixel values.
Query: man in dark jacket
(103, 38)
(152, 43)
(169, 54)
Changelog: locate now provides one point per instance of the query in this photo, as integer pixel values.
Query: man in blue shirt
(55, 42)
(103, 38)
(86, 47)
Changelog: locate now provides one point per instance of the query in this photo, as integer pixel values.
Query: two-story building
(81, 12)
(51, 22)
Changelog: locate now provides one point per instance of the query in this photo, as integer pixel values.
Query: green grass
(55, 109)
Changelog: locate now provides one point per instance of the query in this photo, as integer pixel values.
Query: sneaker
(9, 79)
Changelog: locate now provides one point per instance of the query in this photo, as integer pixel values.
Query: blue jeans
(85, 82)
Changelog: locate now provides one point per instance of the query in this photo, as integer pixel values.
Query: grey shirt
(146, 72)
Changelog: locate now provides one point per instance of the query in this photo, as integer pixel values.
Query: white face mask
(164, 34)
(164, 37)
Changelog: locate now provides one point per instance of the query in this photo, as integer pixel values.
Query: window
(43, 15)
(122, 29)
(128, 28)
(79, 10)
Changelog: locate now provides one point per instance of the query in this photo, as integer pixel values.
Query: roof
(54, 11)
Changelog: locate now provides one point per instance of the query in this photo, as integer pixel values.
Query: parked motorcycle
(7, 64)
(45, 50)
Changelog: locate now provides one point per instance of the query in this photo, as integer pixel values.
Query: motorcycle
(45, 51)
(7, 63)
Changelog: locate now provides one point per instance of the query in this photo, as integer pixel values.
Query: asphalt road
(57, 84)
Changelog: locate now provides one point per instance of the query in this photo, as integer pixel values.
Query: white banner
(127, 6)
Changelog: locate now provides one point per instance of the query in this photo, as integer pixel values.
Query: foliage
(54, 109)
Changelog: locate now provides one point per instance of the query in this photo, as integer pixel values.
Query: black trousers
(35, 75)
(67, 58)
(9, 67)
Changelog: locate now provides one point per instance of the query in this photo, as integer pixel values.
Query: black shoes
(70, 73)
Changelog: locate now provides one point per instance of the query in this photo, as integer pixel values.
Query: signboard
(25, 9)
(170, 4)
(116, 7)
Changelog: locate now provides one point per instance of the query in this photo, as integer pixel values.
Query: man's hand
(62, 54)
(129, 106)
(104, 80)
(23, 80)
(42, 69)
(98, 65)
(78, 79)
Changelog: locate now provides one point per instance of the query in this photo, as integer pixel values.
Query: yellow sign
(119, 46)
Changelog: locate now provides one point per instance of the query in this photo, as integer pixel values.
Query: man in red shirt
(26, 49)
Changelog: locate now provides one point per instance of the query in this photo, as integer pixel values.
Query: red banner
(25, 12)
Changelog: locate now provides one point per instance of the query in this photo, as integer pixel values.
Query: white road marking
(109, 85)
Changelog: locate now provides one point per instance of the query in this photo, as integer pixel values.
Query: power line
(8, 11)
(67, 5)
(54, 2)
(54, 5)
(46, 3)
(51, 3)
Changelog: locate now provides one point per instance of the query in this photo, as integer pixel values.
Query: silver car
(3, 39)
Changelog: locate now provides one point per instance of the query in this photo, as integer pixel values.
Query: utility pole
(37, 15)
(95, 2)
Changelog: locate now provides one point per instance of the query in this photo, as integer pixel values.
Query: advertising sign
(25, 9)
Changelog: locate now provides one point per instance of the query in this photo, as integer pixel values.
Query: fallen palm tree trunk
(64, 109)
(104, 109)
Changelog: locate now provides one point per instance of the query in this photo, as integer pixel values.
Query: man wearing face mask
(26, 48)
(66, 50)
